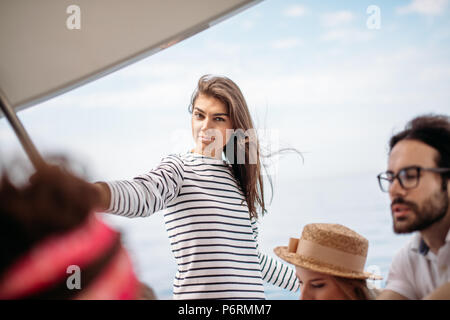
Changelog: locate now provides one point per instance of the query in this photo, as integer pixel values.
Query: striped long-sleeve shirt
(212, 237)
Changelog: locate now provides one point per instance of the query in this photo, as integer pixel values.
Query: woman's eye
(319, 285)
(220, 119)
(198, 115)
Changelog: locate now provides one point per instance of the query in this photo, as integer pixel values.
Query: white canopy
(48, 47)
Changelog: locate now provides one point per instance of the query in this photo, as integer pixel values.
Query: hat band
(331, 256)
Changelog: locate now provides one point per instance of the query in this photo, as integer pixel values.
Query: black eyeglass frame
(397, 176)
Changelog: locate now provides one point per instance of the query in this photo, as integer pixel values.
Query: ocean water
(351, 200)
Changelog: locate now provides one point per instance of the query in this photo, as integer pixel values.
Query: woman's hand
(103, 196)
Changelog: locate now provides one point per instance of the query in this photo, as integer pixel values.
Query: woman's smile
(206, 139)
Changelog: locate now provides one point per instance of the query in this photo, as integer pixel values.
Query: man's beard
(432, 211)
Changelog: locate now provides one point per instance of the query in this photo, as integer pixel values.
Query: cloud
(347, 35)
(386, 80)
(248, 24)
(295, 11)
(338, 18)
(425, 7)
(286, 43)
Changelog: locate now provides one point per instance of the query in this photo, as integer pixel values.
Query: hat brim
(318, 266)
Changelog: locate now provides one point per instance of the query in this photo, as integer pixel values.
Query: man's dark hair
(433, 130)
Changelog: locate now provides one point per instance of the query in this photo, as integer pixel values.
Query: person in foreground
(417, 181)
(52, 245)
(212, 196)
(329, 260)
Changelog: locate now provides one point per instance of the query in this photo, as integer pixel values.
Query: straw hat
(328, 248)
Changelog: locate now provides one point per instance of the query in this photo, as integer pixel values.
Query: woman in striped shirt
(210, 203)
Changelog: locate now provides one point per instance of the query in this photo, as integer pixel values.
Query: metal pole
(30, 149)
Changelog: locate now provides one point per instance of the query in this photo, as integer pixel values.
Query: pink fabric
(48, 261)
(117, 282)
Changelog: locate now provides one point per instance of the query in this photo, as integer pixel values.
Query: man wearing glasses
(418, 183)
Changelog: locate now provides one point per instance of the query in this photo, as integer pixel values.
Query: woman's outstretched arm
(103, 196)
(145, 194)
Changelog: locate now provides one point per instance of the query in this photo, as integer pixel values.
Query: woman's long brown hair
(355, 289)
(247, 173)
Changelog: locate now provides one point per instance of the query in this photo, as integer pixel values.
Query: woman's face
(318, 286)
(210, 121)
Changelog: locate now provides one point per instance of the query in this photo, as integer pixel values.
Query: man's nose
(396, 189)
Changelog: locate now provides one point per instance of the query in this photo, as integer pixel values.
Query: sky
(323, 77)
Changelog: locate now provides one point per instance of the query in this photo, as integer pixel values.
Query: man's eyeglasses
(407, 177)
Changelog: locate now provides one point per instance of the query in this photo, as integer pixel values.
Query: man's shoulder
(402, 278)
(410, 251)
